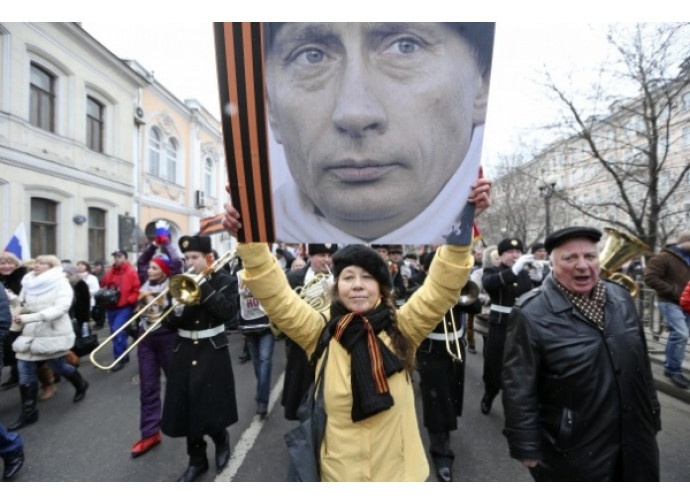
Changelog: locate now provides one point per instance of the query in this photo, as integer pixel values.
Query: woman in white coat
(47, 333)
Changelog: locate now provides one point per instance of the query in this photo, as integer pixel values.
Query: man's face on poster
(374, 118)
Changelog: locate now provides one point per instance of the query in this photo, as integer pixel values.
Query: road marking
(249, 436)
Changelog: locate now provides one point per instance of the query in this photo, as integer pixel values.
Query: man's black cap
(507, 244)
(321, 248)
(120, 252)
(195, 244)
(562, 235)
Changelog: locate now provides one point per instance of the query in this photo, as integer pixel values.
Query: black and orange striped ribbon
(239, 58)
(377, 371)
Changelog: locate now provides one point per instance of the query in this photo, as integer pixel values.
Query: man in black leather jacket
(578, 392)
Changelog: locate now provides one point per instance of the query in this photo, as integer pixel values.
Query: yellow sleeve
(448, 274)
(268, 283)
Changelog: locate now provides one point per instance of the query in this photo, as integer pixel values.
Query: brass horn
(620, 246)
(185, 288)
(468, 296)
(317, 291)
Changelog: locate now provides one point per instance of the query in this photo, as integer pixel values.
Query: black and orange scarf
(372, 360)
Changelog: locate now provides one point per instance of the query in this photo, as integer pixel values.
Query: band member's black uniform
(200, 392)
(442, 379)
(504, 286)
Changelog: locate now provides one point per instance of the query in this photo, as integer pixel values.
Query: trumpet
(184, 288)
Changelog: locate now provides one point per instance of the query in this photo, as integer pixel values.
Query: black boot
(198, 463)
(80, 385)
(29, 412)
(222, 442)
(13, 462)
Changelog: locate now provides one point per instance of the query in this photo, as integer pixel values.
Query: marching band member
(200, 392)
(442, 378)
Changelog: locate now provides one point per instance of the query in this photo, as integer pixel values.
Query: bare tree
(627, 150)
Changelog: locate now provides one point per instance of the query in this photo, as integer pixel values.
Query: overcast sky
(176, 43)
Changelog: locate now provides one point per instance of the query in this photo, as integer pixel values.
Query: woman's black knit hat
(364, 257)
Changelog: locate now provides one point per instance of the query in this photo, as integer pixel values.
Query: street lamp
(546, 191)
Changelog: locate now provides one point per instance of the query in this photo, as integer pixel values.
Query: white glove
(536, 274)
(521, 262)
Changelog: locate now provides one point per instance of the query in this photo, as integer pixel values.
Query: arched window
(154, 152)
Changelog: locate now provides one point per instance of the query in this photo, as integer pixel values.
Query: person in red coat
(123, 277)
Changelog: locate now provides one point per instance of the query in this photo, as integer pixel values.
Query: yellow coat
(388, 445)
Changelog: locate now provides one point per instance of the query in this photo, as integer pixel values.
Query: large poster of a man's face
(375, 129)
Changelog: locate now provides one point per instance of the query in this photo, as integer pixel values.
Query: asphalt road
(90, 441)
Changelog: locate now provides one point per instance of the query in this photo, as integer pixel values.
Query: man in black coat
(504, 284)
(578, 392)
(200, 390)
(298, 372)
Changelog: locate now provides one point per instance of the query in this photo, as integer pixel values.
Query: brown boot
(47, 380)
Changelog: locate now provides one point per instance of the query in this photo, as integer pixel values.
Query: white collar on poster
(302, 224)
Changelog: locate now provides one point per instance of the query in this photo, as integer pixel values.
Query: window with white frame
(96, 233)
(209, 172)
(155, 144)
(171, 151)
(42, 98)
(95, 124)
(43, 226)
(163, 155)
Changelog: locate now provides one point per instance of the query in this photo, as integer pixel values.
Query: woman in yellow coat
(371, 430)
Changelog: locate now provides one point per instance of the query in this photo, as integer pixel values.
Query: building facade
(93, 150)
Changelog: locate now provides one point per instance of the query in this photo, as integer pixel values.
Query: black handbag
(85, 340)
(107, 297)
(304, 442)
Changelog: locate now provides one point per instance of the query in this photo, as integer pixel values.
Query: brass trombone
(468, 295)
(185, 288)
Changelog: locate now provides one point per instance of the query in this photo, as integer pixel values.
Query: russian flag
(18, 244)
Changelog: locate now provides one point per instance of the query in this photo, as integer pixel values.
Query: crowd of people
(564, 346)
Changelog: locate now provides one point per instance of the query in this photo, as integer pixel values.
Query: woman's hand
(480, 195)
(231, 220)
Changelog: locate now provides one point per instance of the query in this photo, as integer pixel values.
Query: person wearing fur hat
(200, 390)
(298, 373)
(154, 352)
(504, 283)
(371, 431)
(47, 334)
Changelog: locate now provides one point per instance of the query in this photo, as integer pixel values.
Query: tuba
(620, 246)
